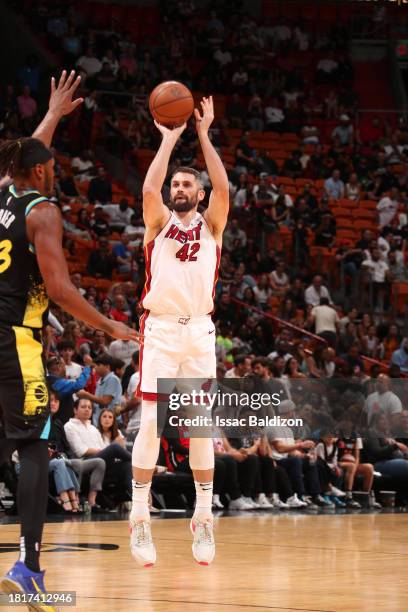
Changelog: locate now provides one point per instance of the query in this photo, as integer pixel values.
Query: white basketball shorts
(175, 347)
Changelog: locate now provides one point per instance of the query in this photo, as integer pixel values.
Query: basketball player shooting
(32, 270)
(182, 251)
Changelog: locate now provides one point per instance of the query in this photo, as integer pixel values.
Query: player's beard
(185, 204)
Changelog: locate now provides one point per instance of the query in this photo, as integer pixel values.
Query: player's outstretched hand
(123, 332)
(203, 122)
(174, 133)
(61, 101)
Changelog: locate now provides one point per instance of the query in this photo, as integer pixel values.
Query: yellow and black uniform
(24, 404)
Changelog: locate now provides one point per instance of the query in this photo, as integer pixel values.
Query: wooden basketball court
(321, 563)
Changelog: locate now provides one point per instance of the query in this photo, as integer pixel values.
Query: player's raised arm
(217, 212)
(44, 228)
(60, 104)
(155, 213)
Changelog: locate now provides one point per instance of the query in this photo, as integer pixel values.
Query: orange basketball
(171, 103)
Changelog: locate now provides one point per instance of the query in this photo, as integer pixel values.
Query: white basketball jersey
(181, 269)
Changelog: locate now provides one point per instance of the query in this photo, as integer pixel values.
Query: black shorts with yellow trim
(24, 401)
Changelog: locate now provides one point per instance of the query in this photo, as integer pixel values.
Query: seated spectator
(387, 207)
(255, 113)
(383, 400)
(244, 156)
(290, 455)
(101, 262)
(66, 349)
(310, 133)
(292, 166)
(123, 255)
(83, 166)
(108, 393)
(242, 367)
(370, 342)
(119, 215)
(100, 188)
(334, 186)
(27, 106)
(279, 280)
(275, 117)
(234, 236)
(327, 69)
(83, 223)
(353, 188)
(66, 185)
(120, 311)
(316, 291)
(235, 111)
(100, 224)
(123, 350)
(262, 291)
(99, 345)
(378, 270)
(109, 430)
(344, 131)
(86, 442)
(89, 63)
(236, 475)
(69, 226)
(331, 105)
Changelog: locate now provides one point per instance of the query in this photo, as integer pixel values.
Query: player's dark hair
(18, 156)
(187, 170)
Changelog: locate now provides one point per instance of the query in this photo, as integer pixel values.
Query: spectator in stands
(100, 188)
(290, 455)
(66, 349)
(310, 133)
(123, 350)
(255, 113)
(400, 357)
(334, 186)
(72, 42)
(109, 430)
(99, 345)
(388, 206)
(378, 269)
(316, 291)
(370, 342)
(353, 188)
(108, 393)
(27, 107)
(83, 166)
(242, 367)
(326, 321)
(120, 215)
(64, 387)
(101, 262)
(262, 291)
(234, 236)
(244, 155)
(327, 69)
(235, 111)
(86, 441)
(224, 310)
(279, 280)
(89, 63)
(100, 224)
(383, 400)
(344, 131)
(275, 117)
(120, 311)
(292, 166)
(123, 255)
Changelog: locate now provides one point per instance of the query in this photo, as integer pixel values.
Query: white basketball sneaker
(203, 544)
(141, 543)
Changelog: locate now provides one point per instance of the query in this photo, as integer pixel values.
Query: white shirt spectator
(325, 318)
(313, 297)
(73, 370)
(274, 114)
(283, 434)
(281, 280)
(327, 65)
(82, 436)
(91, 65)
(262, 294)
(123, 349)
(81, 165)
(117, 216)
(387, 209)
(387, 402)
(223, 57)
(377, 269)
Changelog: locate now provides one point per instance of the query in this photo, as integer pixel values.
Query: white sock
(204, 493)
(140, 501)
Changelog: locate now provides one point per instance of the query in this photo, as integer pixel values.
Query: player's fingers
(75, 84)
(52, 85)
(69, 80)
(197, 114)
(76, 103)
(62, 79)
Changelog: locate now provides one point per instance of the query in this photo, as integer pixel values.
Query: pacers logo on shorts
(36, 397)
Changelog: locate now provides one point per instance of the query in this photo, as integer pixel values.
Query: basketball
(171, 103)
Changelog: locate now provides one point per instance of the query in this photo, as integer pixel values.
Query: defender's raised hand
(203, 122)
(61, 102)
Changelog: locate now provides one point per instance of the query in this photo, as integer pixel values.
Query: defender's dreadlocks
(18, 156)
